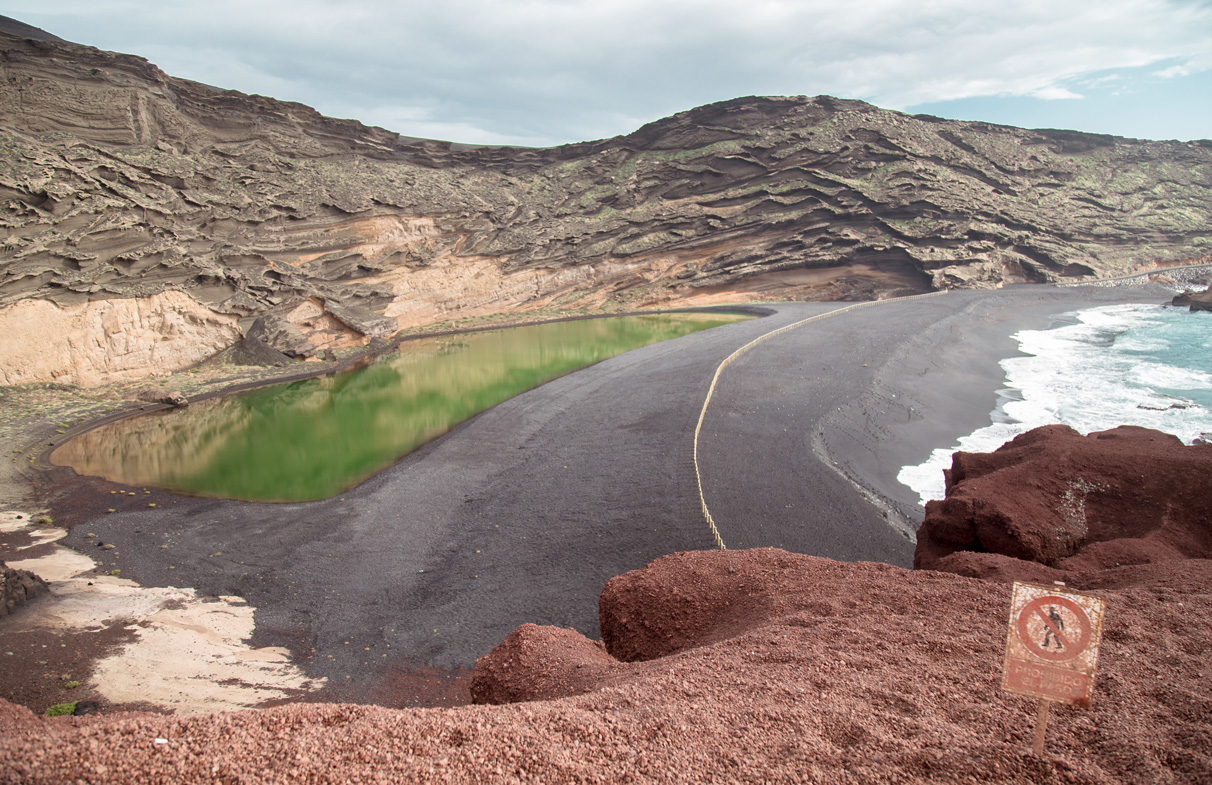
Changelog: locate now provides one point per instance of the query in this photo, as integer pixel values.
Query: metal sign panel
(1052, 643)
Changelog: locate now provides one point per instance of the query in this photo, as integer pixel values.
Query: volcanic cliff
(150, 220)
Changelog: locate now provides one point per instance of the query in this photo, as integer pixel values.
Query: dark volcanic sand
(523, 513)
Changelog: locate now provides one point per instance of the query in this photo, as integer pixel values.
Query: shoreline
(77, 500)
(288, 374)
(947, 381)
(579, 480)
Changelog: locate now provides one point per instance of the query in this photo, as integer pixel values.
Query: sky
(547, 72)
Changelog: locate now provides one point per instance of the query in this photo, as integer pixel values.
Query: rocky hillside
(121, 183)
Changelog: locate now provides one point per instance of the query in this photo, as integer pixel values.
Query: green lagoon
(315, 438)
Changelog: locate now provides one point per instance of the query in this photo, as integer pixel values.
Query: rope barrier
(715, 532)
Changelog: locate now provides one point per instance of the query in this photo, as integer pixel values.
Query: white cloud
(1173, 71)
(565, 70)
(1055, 93)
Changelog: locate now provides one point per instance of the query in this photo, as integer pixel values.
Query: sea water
(1136, 364)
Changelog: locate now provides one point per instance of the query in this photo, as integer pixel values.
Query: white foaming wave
(1089, 375)
(1140, 344)
(1168, 377)
(927, 478)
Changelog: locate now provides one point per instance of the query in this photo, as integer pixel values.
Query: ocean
(1136, 364)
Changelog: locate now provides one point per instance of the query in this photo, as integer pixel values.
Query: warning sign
(1052, 643)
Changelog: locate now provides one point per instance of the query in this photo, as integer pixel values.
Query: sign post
(1052, 648)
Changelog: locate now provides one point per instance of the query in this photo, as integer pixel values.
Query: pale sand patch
(190, 654)
(43, 536)
(13, 520)
(59, 565)
(192, 657)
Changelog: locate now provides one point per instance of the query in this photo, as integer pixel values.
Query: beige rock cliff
(108, 340)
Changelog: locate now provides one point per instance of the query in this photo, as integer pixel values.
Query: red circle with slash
(1073, 642)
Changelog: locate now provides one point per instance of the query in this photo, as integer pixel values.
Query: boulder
(17, 587)
(281, 336)
(172, 398)
(1195, 301)
(1052, 502)
(540, 663)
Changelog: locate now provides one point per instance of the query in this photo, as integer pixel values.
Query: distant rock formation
(1195, 301)
(1053, 503)
(171, 398)
(119, 182)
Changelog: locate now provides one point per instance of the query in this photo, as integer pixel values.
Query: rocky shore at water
(1195, 301)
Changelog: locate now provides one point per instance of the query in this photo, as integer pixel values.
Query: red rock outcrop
(1053, 504)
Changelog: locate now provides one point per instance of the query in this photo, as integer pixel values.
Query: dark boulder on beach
(1195, 301)
(17, 587)
(1053, 504)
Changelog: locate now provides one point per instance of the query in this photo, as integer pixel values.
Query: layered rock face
(1054, 505)
(120, 182)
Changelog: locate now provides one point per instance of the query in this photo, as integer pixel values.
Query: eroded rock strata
(119, 182)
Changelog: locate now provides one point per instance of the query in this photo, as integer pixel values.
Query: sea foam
(1147, 365)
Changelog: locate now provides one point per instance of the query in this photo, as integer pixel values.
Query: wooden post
(1041, 725)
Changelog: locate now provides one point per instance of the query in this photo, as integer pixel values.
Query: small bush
(61, 709)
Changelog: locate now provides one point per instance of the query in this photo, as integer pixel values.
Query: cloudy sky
(542, 72)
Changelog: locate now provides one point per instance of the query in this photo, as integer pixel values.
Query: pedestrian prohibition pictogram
(1052, 643)
(1053, 628)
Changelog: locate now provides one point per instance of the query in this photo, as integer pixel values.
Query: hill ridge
(121, 181)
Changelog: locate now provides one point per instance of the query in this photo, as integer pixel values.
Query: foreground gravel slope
(833, 672)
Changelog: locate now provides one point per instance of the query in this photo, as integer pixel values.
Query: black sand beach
(522, 514)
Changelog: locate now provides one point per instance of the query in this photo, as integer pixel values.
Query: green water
(316, 438)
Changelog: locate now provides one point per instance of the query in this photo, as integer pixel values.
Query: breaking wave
(1148, 365)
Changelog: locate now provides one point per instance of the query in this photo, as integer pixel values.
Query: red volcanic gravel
(766, 666)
